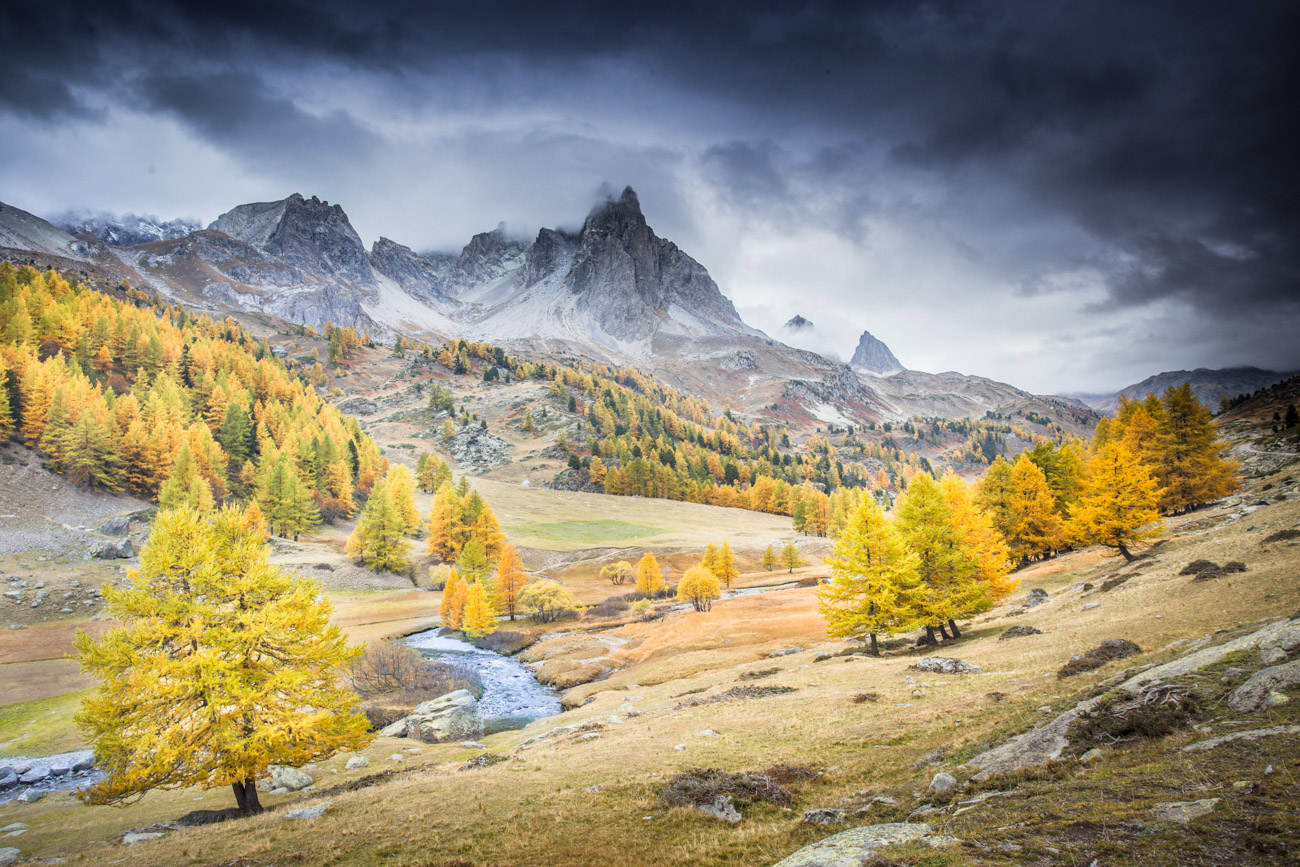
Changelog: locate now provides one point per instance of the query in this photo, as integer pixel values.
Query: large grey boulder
(119, 526)
(1254, 693)
(119, 550)
(289, 778)
(315, 811)
(946, 665)
(451, 717)
(854, 847)
(9, 855)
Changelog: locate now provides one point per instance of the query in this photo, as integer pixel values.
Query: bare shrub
(1159, 712)
(1115, 648)
(394, 678)
(611, 607)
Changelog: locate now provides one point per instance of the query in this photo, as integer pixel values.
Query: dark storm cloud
(1157, 139)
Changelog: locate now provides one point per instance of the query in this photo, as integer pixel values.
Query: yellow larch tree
(649, 577)
(946, 568)
(726, 565)
(401, 489)
(379, 539)
(510, 579)
(983, 542)
(1191, 470)
(445, 525)
(222, 665)
(699, 587)
(874, 588)
(1037, 530)
(480, 616)
(487, 530)
(1117, 507)
(769, 558)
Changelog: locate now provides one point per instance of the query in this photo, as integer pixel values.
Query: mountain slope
(1209, 385)
(127, 230)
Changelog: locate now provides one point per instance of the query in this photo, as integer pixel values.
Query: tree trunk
(875, 648)
(1128, 555)
(246, 796)
(929, 636)
(944, 632)
(952, 624)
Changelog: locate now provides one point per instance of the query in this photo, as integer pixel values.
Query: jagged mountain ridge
(613, 291)
(126, 230)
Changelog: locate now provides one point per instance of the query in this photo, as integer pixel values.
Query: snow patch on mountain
(125, 230)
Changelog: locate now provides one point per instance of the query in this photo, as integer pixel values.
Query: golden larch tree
(726, 565)
(510, 579)
(1118, 504)
(222, 665)
(1037, 529)
(480, 616)
(649, 577)
(874, 587)
(700, 587)
(445, 524)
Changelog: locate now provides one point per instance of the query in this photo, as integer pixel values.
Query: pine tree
(875, 587)
(946, 569)
(649, 577)
(510, 579)
(480, 616)
(769, 558)
(699, 587)
(790, 557)
(1191, 470)
(1118, 504)
(218, 652)
(726, 570)
(527, 425)
(445, 525)
(379, 539)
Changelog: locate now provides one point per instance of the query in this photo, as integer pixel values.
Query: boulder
(945, 665)
(315, 811)
(9, 855)
(1020, 631)
(855, 846)
(289, 778)
(31, 796)
(1254, 694)
(356, 763)
(824, 816)
(943, 783)
(119, 526)
(35, 775)
(119, 550)
(60, 770)
(452, 717)
(1183, 812)
(720, 808)
(1036, 597)
(133, 837)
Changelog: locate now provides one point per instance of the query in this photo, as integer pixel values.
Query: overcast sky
(1067, 196)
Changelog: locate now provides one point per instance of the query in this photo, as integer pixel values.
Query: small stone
(1268, 772)
(680, 747)
(943, 783)
(1091, 605)
(1090, 756)
(824, 816)
(722, 808)
(591, 790)
(471, 745)
(1275, 699)
(708, 733)
(356, 763)
(396, 757)
(313, 812)
(133, 837)
(1183, 812)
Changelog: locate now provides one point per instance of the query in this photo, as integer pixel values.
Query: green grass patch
(584, 531)
(42, 726)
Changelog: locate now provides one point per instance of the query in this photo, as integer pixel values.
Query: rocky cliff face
(873, 356)
(128, 230)
(309, 234)
(488, 257)
(628, 277)
(422, 276)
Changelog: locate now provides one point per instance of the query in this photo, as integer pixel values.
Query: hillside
(1211, 387)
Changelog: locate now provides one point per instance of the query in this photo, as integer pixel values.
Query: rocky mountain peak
(798, 323)
(873, 356)
(489, 255)
(421, 276)
(307, 233)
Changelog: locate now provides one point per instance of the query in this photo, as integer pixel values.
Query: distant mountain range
(1210, 386)
(612, 291)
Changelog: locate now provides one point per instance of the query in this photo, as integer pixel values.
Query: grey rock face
(1254, 693)
(1182, 812)
(873, 355)
(306, 233)
(798, 323)
(8, 855)
(488, 256)
(628, 277)
(419, 275)
(127, 230)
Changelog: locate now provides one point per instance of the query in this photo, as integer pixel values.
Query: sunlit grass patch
(594, 532)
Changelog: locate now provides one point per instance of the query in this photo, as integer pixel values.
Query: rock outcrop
(858, 845)
(451, 717)
(305, 233)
